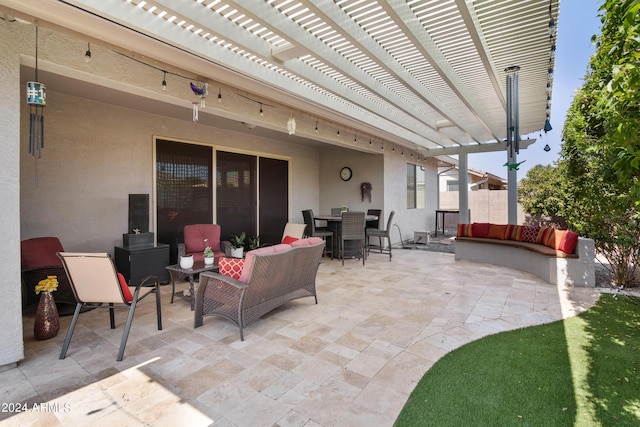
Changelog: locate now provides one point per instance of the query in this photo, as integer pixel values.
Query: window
(416, 194)
(453, 186)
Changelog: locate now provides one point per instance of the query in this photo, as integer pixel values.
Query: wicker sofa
(556, 256)
(270, 277)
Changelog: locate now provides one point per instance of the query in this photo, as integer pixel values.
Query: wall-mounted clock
(345, 173)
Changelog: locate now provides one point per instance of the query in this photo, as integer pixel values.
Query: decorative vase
(186, 262)
(47, 322)
(208, 260)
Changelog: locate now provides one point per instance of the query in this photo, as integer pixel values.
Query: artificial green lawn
(582, 371)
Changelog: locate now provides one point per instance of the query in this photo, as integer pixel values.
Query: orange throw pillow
(497, 231)
(514, 232)
(465, 230)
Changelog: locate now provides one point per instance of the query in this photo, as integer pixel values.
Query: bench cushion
(534, 247)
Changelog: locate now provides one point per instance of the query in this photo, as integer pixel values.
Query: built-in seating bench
(556, 256)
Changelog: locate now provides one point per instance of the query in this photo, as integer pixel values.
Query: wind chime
(202, 92)
(37, 100)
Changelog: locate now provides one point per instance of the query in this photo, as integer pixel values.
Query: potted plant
(254, 242)
(237, 245)
(208, 255)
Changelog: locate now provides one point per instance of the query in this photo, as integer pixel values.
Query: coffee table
(198, 267)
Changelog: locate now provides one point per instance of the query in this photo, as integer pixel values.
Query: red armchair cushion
(194, 240)
(40, 252)
(125, 288)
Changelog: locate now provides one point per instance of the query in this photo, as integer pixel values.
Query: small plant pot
(237, 252)
(186, 262)
(208, 260)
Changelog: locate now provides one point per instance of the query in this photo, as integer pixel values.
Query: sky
(577, 22)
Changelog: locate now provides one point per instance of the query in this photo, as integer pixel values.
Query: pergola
(425, 75)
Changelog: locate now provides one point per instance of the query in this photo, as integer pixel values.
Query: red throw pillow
(125, 288)
(567, 243)
(465, 230)
(529, 234)
(289, 240)
(480, 229)
(231, 267)
(497, 231)
(514, 232)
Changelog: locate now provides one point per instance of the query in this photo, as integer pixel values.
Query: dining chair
(96, 283)
(312, 231)
(352, 229)
(374, 223)
(382, 234)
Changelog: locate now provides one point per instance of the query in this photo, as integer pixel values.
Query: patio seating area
(352, 359)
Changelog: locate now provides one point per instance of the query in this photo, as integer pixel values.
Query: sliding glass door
(183, 189)
(251, 192)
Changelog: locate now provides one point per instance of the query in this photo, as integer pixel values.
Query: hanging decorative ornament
(291, 125)
(202, 92)
(37, 100)
(547, 125)
(547, 148)
(195, 105)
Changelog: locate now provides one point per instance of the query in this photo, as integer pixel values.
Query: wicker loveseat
(270, 277)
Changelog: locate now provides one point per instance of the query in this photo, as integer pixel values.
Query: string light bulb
(261, 111)
(87, 54)
(316, 130)
(164, 81)
(219, 96)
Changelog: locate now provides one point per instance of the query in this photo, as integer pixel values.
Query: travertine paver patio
(353, 359)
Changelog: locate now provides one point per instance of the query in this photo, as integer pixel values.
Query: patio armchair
(199, 236)
(39, 260)
(96, 283)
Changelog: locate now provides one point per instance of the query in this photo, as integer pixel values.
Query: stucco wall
(12, 348)
(96, 154)
(485, 206)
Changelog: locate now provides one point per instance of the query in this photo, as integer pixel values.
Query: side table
(198, 267)
(136, 263)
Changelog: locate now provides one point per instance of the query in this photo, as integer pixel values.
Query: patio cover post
(513, 143)
(463, 189)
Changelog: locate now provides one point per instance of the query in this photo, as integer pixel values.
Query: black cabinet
(139, 262)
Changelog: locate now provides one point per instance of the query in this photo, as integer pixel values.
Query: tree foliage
(601, 150)
(540, 194)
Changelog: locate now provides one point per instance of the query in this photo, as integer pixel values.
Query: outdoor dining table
(333, 224)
